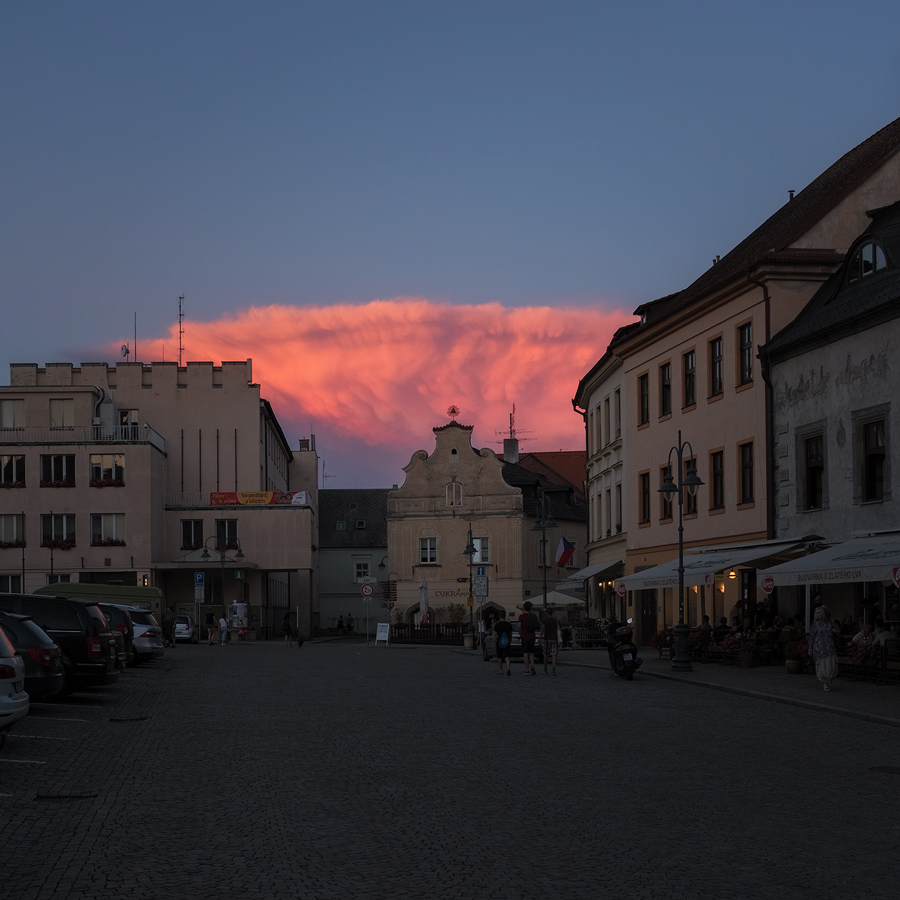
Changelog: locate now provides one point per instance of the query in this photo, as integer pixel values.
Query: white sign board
(383, 633)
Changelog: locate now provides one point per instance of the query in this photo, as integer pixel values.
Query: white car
(14, 702)
(186, 629)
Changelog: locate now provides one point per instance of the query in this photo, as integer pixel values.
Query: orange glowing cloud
(384, 373)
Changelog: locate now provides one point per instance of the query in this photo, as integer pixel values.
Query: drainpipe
(769, 412)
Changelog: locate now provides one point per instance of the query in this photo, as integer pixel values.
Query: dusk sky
(393, 207)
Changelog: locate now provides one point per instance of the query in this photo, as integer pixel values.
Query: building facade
(175, 477)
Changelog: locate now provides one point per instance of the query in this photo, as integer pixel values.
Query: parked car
(80, 629)
(120, 621)
(148, 637)
(186, 629)
(488, 650)
(14, 702)
(44, 674)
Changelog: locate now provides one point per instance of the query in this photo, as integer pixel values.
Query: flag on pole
(564, 552)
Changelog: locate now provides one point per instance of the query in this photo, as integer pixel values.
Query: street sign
(470, 600)
(479, 570)
(480, 585)
(199, 579)
(199, 593)
(367, 589)
(768, 584)
(621, 590)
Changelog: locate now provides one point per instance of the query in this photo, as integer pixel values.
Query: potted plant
(796, 653)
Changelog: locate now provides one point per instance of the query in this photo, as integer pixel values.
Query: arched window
(867, 260)
(454, 494)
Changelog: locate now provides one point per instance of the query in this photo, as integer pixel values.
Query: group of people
(214, 625)
(530, 626)
(341, 625)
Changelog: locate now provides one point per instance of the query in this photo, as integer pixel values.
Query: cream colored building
(456, 488)
(691, 367)
(176, 477)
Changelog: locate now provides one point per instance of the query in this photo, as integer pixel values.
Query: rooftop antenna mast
(513, 433)
(180, 329)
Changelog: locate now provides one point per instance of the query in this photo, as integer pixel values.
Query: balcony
(90, 434)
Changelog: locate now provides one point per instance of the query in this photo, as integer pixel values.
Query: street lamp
(223, 558)
(470, 552)
(544, 522)
(681, 660)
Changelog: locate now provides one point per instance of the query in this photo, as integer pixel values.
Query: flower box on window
(107, 542)
(8, 545)
(59, 545)
(191, 546)
(12, 484)
(58, 484)
(108, 482)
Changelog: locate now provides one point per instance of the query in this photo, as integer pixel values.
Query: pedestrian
(287, 630)
(529, 626)
(340, 624)
(223, 630)
(550, 640)
(211, 628)
(169, 627)
(821, 646)
(503, 641)
(349, 623)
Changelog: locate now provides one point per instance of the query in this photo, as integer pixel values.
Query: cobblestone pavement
(347, 771)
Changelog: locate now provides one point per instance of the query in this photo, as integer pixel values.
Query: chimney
(511, 450)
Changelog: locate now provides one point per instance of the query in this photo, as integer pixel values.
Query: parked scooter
(623, 652)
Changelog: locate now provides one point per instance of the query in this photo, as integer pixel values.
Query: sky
(395, 207)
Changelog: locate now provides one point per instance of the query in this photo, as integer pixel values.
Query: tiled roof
(562, 504)
(837, 308)
(337, 506)
(563, 467)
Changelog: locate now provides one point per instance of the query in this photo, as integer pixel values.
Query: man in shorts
(550, 635)
(529, 626)
(503, 642)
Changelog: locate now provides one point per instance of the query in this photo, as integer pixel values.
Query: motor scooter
(623, 652)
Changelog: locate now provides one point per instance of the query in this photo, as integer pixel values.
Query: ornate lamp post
(470, 552)
(544, 522)
(223, 558)
(681, 659)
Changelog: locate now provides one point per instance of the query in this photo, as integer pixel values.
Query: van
(81, 630)
(149, 598)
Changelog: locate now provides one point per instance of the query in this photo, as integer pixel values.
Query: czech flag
(564, 552)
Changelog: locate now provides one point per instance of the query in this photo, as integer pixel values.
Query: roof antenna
(180, 329)
(513, 433)
(790, 195)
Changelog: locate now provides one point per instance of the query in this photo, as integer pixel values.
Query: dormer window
(869, 259)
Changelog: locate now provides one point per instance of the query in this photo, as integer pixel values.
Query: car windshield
(182, 620)
(98, 617)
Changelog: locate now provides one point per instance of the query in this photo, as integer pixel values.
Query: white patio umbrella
(423, 599)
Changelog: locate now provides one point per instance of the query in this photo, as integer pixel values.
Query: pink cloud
(384, 373)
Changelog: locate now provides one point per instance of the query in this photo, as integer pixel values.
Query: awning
(872, 558)
(574, 583)
(700, 568)
(554, 601)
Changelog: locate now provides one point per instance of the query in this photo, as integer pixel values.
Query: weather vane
(453, 412)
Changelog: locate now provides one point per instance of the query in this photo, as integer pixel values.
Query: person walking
(340, 625)
(169, 627)
(821, 646)
(529, 626)
(550, 641)
(503, 642)
(211, 628)
(223, 630)
(287, 630)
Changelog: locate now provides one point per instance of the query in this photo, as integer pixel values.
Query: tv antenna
(513, 433)
(180, 329)
(324, 476)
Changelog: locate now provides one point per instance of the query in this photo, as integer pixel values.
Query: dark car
(148, 636)
(80, 630)
(44, 675)
(123, 630)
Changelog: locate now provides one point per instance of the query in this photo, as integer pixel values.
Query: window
(482, 552)
(360, 524)
(746, 455)
(12, 413)
(12, 471)
(868, 260)
(10, 584)
(643, 399)
(108, 530)
(427, 550)
(665, 389)
(58, 531)
(62, 413)
(873, 460)
(644, 494)
(690, 500)
(128, 423)
(227, 534)
(340, 525)
(618, 511)
(58, 579)
(665, 510)
(715, 367)
(107, 469)
(717, 479)
(191, 534)
(745, 353)
(617, 411)
(58, 470)
(362, 571)
(12, 530)
(814, 475)
(689, 362)
(454, 494)
(607, 437)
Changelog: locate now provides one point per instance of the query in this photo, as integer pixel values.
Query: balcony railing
(83, 434)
